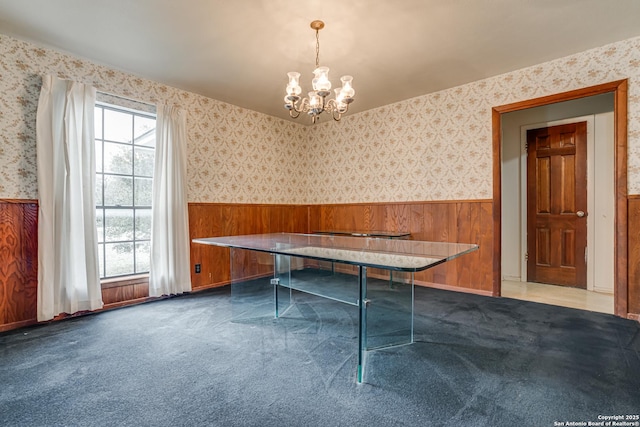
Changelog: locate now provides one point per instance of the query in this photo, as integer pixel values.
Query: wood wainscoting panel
(123, 295)
(449, 221)
(18, 263)
(216, 219)
(634, 257)
(461, 221)
(397, 217)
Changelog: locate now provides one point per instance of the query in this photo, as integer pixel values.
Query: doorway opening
(510, 122)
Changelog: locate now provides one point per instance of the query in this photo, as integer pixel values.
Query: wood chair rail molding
(20, 201)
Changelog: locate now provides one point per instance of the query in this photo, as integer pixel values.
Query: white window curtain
(68, 271)
(170, 270)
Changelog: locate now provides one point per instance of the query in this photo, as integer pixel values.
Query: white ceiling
(239, 51)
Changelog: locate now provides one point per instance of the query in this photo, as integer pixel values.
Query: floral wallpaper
(235, 155)
(432, 147)
(439, 146)
(239, 156)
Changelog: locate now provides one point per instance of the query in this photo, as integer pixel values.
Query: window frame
(135, 277)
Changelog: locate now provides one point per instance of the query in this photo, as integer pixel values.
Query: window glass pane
(118, 259)
(144, 131)
(99, 190)
(144, 161)
(98, 156)
(118, 126)
(118, 224)
(118, 191)
(97, 122)
(125, 146)
(143, 257)
(118, 158)
(143, 224)
(143, 191)
(101, 259)
(100, 225)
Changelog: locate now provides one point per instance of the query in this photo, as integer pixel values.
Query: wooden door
(557, 205)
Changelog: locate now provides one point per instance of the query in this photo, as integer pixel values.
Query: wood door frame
(621, 267)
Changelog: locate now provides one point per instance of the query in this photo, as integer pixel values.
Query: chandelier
(317, 101)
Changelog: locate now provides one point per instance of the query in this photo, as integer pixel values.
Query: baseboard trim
(18, 325)
(128, 302)
(211, 286)
(454, 288)
(120, 304)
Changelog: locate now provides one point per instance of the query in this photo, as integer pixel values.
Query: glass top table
(375, 274)
(390, 254)
(357, 233)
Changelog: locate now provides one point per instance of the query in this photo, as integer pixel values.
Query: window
(125, 143)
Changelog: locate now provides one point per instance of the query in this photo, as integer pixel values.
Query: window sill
(140, 279)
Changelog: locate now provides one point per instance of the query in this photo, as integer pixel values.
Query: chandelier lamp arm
(294, 115)
(296, 106)
(337, 109)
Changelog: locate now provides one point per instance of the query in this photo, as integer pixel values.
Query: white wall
(601, 107)
(602, 213)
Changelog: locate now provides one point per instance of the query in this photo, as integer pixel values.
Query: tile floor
(558, 295)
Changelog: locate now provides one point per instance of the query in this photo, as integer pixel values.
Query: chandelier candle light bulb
(321, 83)
(317, 101)
(293, 88)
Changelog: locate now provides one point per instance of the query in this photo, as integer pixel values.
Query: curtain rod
(125, 98)
(124, 102)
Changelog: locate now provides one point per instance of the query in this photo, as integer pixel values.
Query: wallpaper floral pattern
(432, 147)
(439, 146)
(235, 155)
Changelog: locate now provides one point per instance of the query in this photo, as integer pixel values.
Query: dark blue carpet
(477, 361)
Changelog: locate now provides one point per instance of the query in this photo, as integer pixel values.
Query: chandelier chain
(317, 48)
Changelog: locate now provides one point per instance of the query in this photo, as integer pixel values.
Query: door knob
(580, 214)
